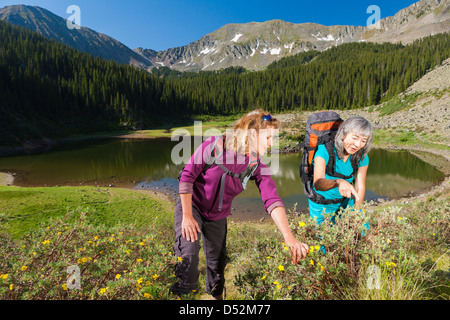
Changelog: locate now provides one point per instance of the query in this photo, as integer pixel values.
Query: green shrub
(121, 262)
(395, 243)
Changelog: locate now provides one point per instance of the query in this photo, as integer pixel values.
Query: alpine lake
(148, 164)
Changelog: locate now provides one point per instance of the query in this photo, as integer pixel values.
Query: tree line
(49, 88)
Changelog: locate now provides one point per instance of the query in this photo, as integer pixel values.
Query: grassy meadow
(121, 241)
(119, 244)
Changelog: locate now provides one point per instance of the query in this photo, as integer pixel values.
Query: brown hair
(239, 139)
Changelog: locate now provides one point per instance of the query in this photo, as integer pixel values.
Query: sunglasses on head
(267, 118)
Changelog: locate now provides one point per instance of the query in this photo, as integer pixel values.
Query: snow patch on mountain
(275, 51)
(327, 38)
(236, 37)
(207, 50)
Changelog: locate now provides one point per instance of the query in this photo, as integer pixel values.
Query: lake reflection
(147, 163)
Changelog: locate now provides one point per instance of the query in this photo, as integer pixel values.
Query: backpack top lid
(320, 128)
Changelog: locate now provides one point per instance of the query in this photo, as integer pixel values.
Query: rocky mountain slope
(421, 19)
(251, 45)
(426, 116)
(83, 39)
(255, 45)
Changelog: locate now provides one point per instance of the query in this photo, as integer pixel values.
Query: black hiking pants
(214, 245)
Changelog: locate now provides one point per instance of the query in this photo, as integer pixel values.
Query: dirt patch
(6, 179)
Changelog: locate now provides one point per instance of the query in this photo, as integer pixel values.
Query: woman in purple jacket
(216, 173)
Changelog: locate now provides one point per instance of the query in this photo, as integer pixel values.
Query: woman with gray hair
(352, 143)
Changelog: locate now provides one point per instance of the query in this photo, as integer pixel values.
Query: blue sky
(164, 24)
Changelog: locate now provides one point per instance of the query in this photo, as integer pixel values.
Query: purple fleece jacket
(205, 185)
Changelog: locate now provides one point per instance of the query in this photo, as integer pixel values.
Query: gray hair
(360, 126)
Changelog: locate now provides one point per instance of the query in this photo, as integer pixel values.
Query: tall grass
(69, 258)
(407, 246)
(398, 243)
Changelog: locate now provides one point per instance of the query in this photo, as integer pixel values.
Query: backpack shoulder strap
(216, 151)
(331, 166)
(253, 164)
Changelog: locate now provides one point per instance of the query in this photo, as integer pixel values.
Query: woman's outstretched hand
(347, 190)
(298, 250)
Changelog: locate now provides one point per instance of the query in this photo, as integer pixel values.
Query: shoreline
(7, 179)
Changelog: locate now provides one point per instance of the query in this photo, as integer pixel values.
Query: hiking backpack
(216, 153)
(321, 128)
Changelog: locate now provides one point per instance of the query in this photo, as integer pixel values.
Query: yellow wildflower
(102, 290)
(312, 262)
(138, 260)
(275, 282)
(4, 276)
(141, 243)
(139, 281)
(263, 277)
(24, 268)
(280, 267)
(11, 287)
(390, 264)
(64, 286)
(118, 276)
(155, 276)
(317, 247)
(180, 259)
(279, 286)
(301, 224)
(147, 295)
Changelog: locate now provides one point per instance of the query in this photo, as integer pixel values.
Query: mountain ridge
(242, 44)
(83, 39)
(252, 45)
